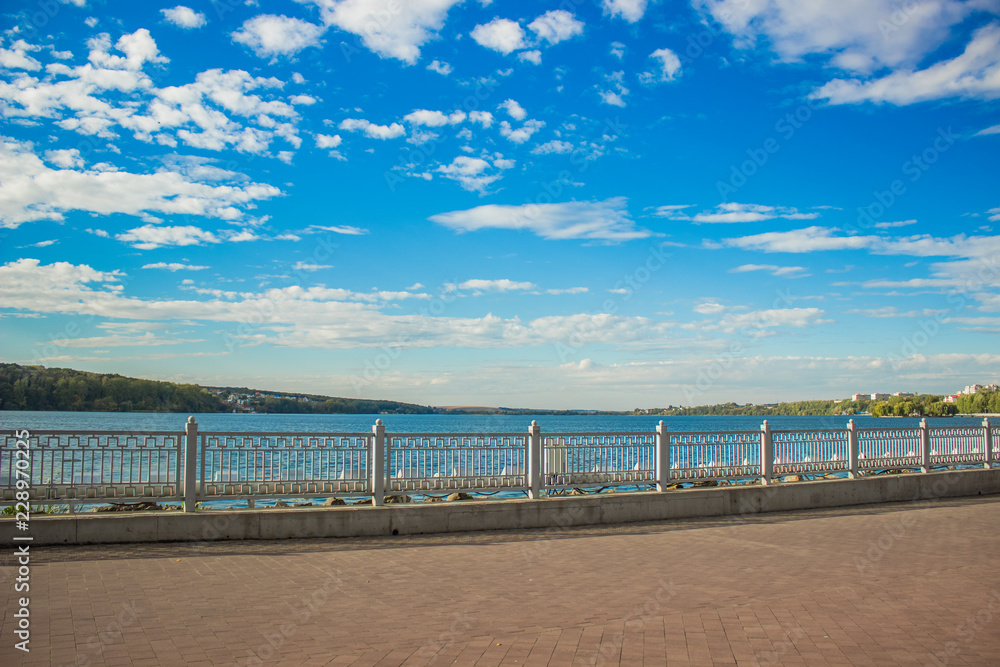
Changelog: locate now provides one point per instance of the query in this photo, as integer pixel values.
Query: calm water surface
(152, 421)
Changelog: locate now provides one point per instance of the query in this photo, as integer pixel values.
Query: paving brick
(795, 588)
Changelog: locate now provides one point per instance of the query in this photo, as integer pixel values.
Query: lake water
(153, 421)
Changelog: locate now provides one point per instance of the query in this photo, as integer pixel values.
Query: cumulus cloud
(150, 237)
(434, 118)
(502, 35)
(16, 57)
(735, 212)
(30, 190)
(630, 10)
(327, 141)
(269, 35)
(521, 134)
(534, 56)
(410, 25)
(184, 17)
(668, 66)
(515, 110)
(974, 74)
(372, 130)
(556, 26)
(440, 67)
(475, 173)
(773, 269)
(175, 266)
(857, 35)
(554, 146)
(316, 317)
(606, 220)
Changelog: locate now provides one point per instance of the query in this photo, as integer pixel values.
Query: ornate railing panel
(958, 444)
(699, 455)
(889, 448)
(573, 459)
(237, 465)
(810, 451)
(455, 461)
(101, 466)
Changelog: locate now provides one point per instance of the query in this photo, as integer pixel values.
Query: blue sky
(590, 204)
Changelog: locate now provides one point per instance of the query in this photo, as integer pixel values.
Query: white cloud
(390, 28)
(502, 285)
(30, 190)
(315, 317)
(892, 225)
(269, 35)
(515, 110)
(473, 173)
(434, 118)
(809, 239)
(669, 66)
(556, 26)
(501, 35)
(305, 266)
(618, 50)
(995, 129)
(341, 229)
(857, 35)
(734, 212)
(175, 266)
(371, 130)
(326, 141)
(554, 146)
(774, 270)
(521, 134)
(974, 74)
(615, 97)
(16, 57)
(484, 118)
(630, 10)
(534, 56)
(150, 237)
(184, 17)
(440, 67)
(599, 221)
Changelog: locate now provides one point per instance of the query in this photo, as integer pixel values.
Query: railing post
(852, 450)
(190, 464)
(988, 437)
(533, 460)
(377, 463)
(925, 446)
(766, 454)
(662, 457)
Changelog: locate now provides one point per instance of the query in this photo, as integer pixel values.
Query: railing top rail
(809, 430)
(589, 434)
(133, 434)
(714, 432)
(456, 435)
(283, 434)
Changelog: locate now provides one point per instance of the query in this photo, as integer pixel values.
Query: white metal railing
(607, 459)
(428, 462)
(73, 467)
(244, 465)
(98, 466)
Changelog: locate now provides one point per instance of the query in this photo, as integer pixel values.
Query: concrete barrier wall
(355, 521)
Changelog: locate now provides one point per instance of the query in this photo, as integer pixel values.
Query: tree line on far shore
(40, 388)
(921, 405)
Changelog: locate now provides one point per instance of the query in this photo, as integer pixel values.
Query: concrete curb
(355, 521)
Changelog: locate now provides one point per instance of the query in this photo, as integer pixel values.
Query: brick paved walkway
(906, 584)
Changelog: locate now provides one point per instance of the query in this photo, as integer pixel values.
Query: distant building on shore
(879, 397)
